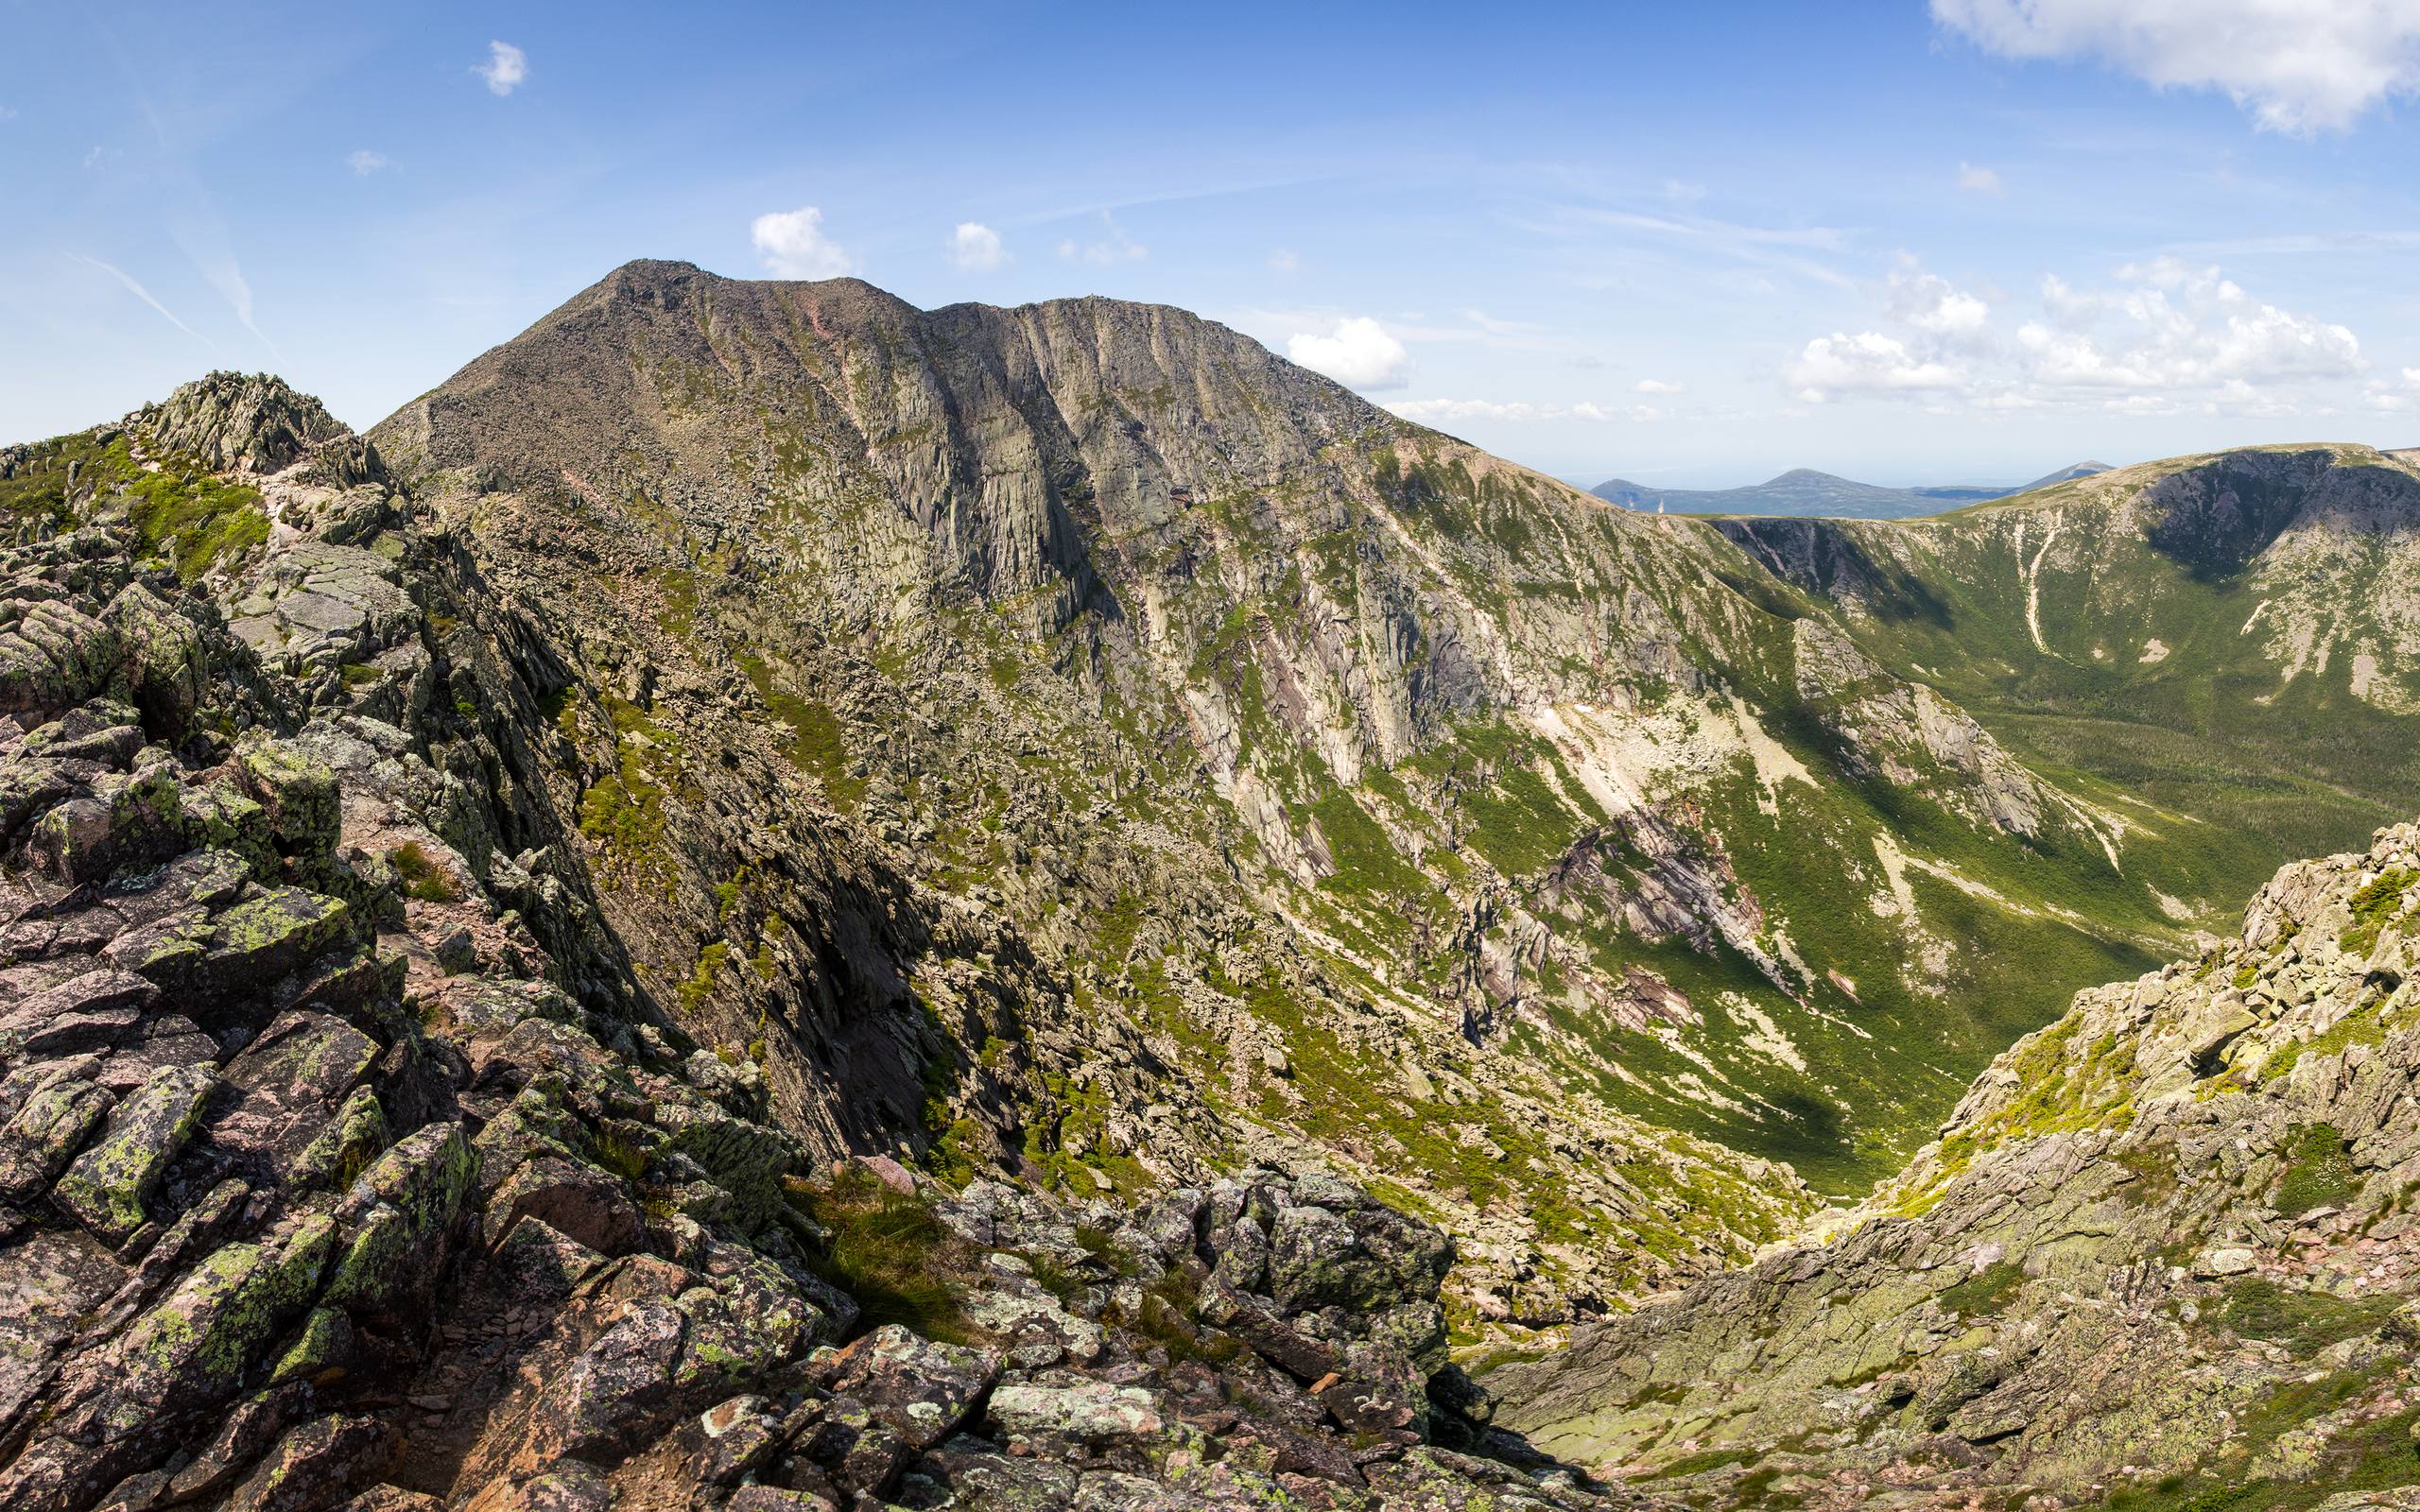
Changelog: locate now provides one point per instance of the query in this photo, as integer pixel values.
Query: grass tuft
(889, 1252)
(423, 878)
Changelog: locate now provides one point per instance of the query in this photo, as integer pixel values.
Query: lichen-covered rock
(107, 1186)
(53, 655)
(391, 1499)
(571, 1198)
(1093, 1412)
(286, 1088)
(264, 937)
(230, 421)
(344, 1146)
(198, 1344)
(611, 1392)
(919, 1389)
(297, 793)
(165, 664)
(397, 1224)
(1339, 1249)
(120, 819)
(51, 1110)
(735, 1437)
(318, 1465)
(325, 1350)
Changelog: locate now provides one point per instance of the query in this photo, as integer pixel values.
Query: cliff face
(2164, 1247)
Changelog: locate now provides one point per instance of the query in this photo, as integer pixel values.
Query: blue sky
(1968, 240)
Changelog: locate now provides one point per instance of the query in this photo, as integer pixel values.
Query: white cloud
(1938, 308)
(366, 163)
(98, 156)
(2161, 332)
(506, 67)
(2411, 376)
(2065, 304)
(8, 112)
(2186, 326)
(1977, 179)
(975, 247)
(1656, 385)
(1114, 247)
(1869, 362)
(2297, 65)
(793, 245)
(1282, 261)
(1358, 354)
(2138, 405)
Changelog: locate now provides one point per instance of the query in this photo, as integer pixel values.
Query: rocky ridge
(344, 1164)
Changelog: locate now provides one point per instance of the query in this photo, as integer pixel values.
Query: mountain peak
(633, 366)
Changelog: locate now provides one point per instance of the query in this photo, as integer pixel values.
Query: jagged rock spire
(256, 422)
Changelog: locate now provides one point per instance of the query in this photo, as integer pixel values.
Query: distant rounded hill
(1805, 491)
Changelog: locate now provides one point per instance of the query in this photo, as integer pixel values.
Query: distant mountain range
(1805, 491)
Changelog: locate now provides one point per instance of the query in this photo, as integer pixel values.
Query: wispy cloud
(506, 69)
(1796, 250)
(202, 234)
(135, 288)
(2300, 243)
(1724, 233)
(1113, 247)
(366, 163)
(1453, 411)
(1284, 260)
(1977, 179)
